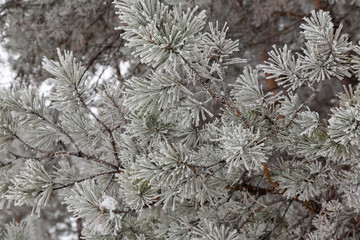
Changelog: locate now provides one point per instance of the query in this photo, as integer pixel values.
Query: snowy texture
(179, 151)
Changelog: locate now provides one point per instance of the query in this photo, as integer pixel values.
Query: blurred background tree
(33, 29)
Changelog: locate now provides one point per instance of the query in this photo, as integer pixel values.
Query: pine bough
(182, 153)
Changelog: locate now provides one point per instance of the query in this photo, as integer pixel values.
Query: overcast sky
(6, 75)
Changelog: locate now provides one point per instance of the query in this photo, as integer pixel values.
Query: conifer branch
(36, 149)
(86, 178)
(57, 127)
(252, 213)
(305, 103)
(217, 98)
(159, 150)
(107, 129)
(79, 155)
(122, 115)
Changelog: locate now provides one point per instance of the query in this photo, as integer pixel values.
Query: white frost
(109, 203)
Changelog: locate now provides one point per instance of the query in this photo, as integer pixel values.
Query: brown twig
(267, 175)
(317, 4)
(351, 232)
(79, 228)
(107, 129)
(53, 154)
(271, 82)
(258, 210)
(216, 97)
(86, 178)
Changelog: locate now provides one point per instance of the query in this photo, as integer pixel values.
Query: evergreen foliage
(183, 153)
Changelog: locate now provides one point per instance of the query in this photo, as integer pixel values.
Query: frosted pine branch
(181, 151)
